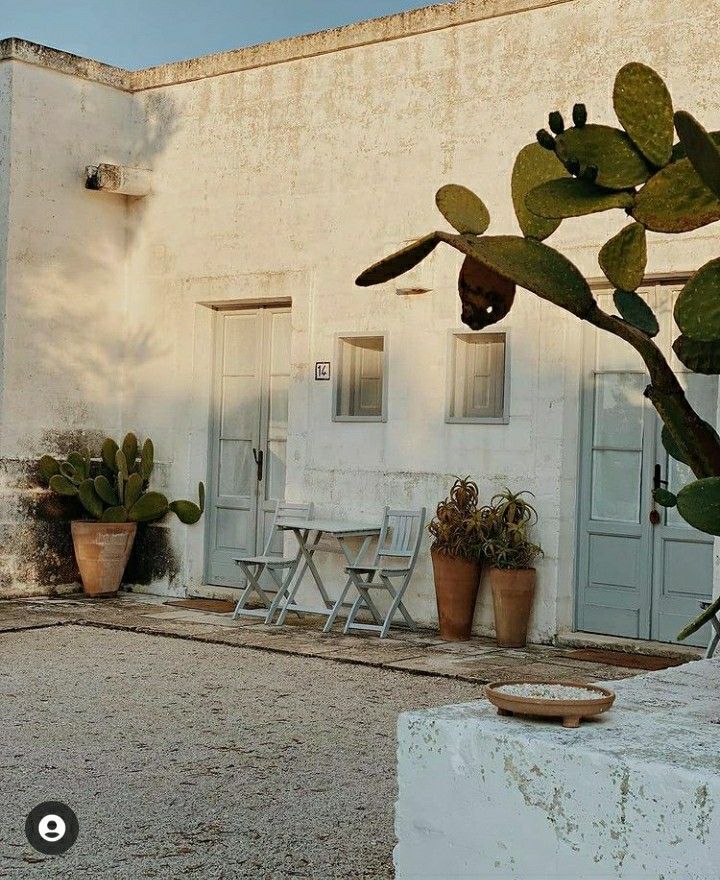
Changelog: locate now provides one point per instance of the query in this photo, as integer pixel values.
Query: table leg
(307, 553)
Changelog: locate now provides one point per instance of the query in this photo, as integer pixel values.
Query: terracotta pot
(456, 588)
(102, 551)
(513, 593)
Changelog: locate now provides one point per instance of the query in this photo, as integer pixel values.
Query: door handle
(259, 456)
(657, 481)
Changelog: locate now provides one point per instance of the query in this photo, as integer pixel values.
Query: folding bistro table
(309, 533)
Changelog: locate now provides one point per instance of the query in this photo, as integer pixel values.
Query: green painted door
(636, 578)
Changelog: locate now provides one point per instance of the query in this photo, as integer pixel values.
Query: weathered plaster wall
(631, 795)
(290, 178)
(65, 334)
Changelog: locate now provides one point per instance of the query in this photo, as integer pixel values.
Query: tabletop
(330, 526)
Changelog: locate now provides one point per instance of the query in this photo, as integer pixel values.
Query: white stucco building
(196, 314)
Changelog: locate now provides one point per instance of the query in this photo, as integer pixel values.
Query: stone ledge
(378, 30)
(635, 794)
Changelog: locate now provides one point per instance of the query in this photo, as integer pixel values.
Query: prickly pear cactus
(573, 172)
(114, 487)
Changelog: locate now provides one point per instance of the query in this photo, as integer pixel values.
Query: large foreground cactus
(115, 489)
(662, 187)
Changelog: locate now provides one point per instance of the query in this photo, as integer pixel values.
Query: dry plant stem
(695, 438)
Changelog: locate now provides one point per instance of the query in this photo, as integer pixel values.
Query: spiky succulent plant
(661, 186)
(114, 489)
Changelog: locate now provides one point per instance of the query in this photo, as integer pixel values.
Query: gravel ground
(208, 761)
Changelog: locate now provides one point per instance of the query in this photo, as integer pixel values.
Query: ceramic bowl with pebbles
(569, 700)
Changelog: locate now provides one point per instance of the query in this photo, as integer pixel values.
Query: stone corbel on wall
(120, 179)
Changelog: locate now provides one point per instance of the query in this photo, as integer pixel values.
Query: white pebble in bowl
(547, 691)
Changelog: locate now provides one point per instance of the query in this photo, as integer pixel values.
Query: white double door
(248, 435)
(641, 570)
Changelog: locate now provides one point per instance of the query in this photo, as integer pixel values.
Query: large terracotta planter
(456, 588)
(513, 593)
(102, 551)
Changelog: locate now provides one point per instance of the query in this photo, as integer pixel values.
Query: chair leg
(396, 605)
(714, 640)
(353, 612)
(337, 606)
(253, 586)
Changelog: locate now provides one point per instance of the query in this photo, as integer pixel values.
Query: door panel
(635, 579)
(251, 381)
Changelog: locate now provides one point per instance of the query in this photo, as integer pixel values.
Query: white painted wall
(289, 179)
(286, 180)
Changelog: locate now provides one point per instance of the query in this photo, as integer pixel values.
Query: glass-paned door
(641, 570)
(248, 435)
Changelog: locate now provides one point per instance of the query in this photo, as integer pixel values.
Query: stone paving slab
(478, 660)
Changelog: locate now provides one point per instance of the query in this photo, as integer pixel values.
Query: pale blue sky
(140, 33)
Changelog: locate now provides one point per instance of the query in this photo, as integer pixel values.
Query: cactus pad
(697, 310)
(700, 357)
(705, 617)
(114, 515)
(572, 197)
(486, 297)
(533, 166)
(620, 165)
(701, 150)
(108, 453)
(671, 447)
(48, 467)
(63, 486)
(462, 209)
(90, 499)
(699, 504)
(636, 311)
(644, 107)
(186, 511)
(624, 257)
(133, 490)
(676, 200)
(130, 449)
(105, 490)
(532, 265)
(151, 506)
(147, 459)
(664, 498)
(399, 262)
(679, 151)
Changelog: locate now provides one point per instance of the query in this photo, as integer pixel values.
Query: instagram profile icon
(51, 828)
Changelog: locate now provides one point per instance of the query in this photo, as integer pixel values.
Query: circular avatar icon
(52, 828)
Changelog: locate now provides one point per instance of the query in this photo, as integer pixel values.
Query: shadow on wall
(69, 335)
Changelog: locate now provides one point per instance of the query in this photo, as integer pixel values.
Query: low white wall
(633, 795)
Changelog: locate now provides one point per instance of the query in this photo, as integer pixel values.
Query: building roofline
(378, 30)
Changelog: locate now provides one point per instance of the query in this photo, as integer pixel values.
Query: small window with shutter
(360, 379)
(478, 380)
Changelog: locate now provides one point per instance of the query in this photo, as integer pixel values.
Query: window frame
(337, 375)
(451, 378)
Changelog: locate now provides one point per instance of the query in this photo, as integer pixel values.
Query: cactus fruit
(676, 200)
(534, 166)
(556, 122)
(573, 197)
(620, 165)
(697, 309)
(636, 311)
(623, 258)
(700, 357)
(701, 149)
(486, 297)
(462, 209)
(399, 262)
(579, 115)
(545, 139)
(644, 107)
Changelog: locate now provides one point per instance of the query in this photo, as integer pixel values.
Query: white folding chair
(253, 567)
(400, 538)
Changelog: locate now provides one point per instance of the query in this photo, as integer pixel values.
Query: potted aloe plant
(509, 550)
(457, 530)
(114, 494)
